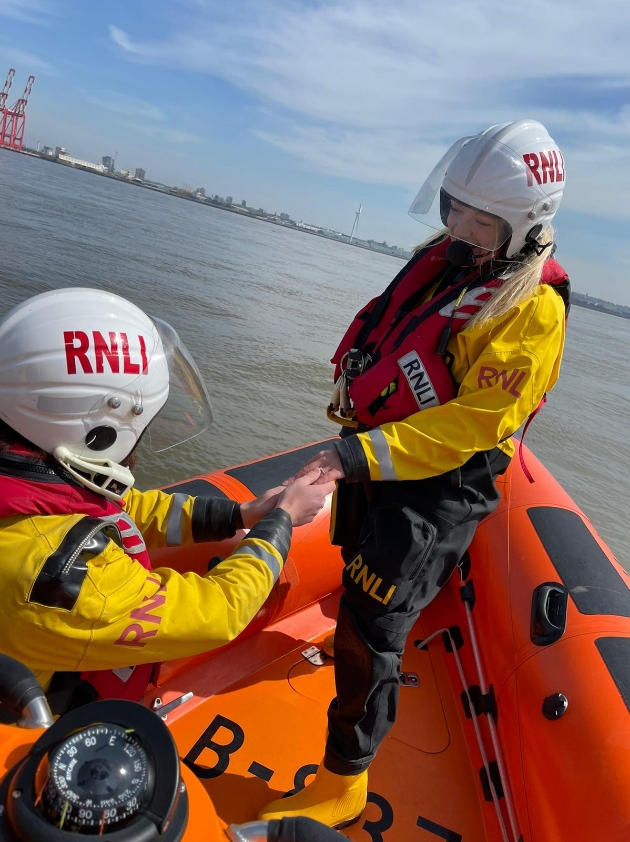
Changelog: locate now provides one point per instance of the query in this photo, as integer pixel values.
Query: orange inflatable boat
(514, 717)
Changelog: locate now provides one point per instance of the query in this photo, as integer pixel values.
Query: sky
(312, 107)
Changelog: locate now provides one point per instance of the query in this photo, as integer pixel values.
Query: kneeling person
(83, 375)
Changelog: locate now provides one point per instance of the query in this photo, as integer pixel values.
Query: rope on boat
(492, 726)
(482, 750)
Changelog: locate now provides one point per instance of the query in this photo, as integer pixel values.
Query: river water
(262, 307)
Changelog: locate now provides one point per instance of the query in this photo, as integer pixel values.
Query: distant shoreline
(598, 308)
(200, 201)
(577, 302)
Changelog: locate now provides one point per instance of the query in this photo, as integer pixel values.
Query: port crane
(4, 93)
(13, 119)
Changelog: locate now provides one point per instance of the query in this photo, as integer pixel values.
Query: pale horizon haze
(312, 107)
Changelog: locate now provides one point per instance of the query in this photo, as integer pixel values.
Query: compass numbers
(97, 778)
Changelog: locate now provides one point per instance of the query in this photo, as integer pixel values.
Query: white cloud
(393, 157)
(375, 91)
(32, 11)
(359, 62)
(119, 37)
(163, 135)
(151, 117)
(25, 63)
(126, 105)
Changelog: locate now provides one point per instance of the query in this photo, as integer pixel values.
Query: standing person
(84, 375)
(432, 379)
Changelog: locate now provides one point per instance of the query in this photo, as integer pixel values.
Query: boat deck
(255, 739)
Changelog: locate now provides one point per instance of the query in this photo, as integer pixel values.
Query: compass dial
(97, 780)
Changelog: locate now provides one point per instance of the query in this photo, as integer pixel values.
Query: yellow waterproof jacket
(115, 613)
(504, 367)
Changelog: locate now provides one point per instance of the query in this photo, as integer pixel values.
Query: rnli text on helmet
(118, 347)
(546, 163)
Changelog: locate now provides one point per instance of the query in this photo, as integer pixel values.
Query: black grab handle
(18, 685)
(549, 613)
(301, 829)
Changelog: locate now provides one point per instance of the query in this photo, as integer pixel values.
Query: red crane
(14, 118)
(4, 93)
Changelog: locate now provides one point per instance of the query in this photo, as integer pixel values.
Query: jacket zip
(70, 563)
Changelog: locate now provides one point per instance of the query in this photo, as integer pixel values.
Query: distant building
(228, 200)
(108, 163)
(59, 150)
(140, 174)
(76, 162)
(47, 150)
(244, 203)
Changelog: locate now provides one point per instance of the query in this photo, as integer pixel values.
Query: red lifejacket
(19, 496)
(404, 343)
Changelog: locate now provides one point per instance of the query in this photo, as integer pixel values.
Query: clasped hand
(302, 497)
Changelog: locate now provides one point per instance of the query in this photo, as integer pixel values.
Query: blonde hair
(521, 279)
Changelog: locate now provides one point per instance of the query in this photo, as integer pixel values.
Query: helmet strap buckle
(532, 245)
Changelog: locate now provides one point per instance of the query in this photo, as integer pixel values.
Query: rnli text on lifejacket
(418, 380)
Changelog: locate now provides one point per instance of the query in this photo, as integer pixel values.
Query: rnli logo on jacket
(544, 167)
(418, 379)
(471, 303)
(135, 634)
(91, 352)
(510, 381)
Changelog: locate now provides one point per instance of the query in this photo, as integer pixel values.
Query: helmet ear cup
(100, 438)
(534, 233)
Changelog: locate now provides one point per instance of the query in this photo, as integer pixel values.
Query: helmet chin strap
(461, 254)
(103, 476)
(530, 247)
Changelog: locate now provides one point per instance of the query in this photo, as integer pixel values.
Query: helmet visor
(188, 411)
(423, 202)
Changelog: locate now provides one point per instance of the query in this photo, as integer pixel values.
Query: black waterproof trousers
(400, 541)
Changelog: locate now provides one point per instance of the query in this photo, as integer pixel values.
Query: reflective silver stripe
(127, 527)
(383, 455)
(124, 523)
(264, 555)
(174, 525)
(136, 550)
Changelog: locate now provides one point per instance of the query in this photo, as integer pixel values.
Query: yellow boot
(328, 645)
(334, 800)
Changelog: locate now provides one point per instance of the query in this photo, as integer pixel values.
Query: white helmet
(513, 171)
(82, 375)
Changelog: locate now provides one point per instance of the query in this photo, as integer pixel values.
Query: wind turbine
(355, 225)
